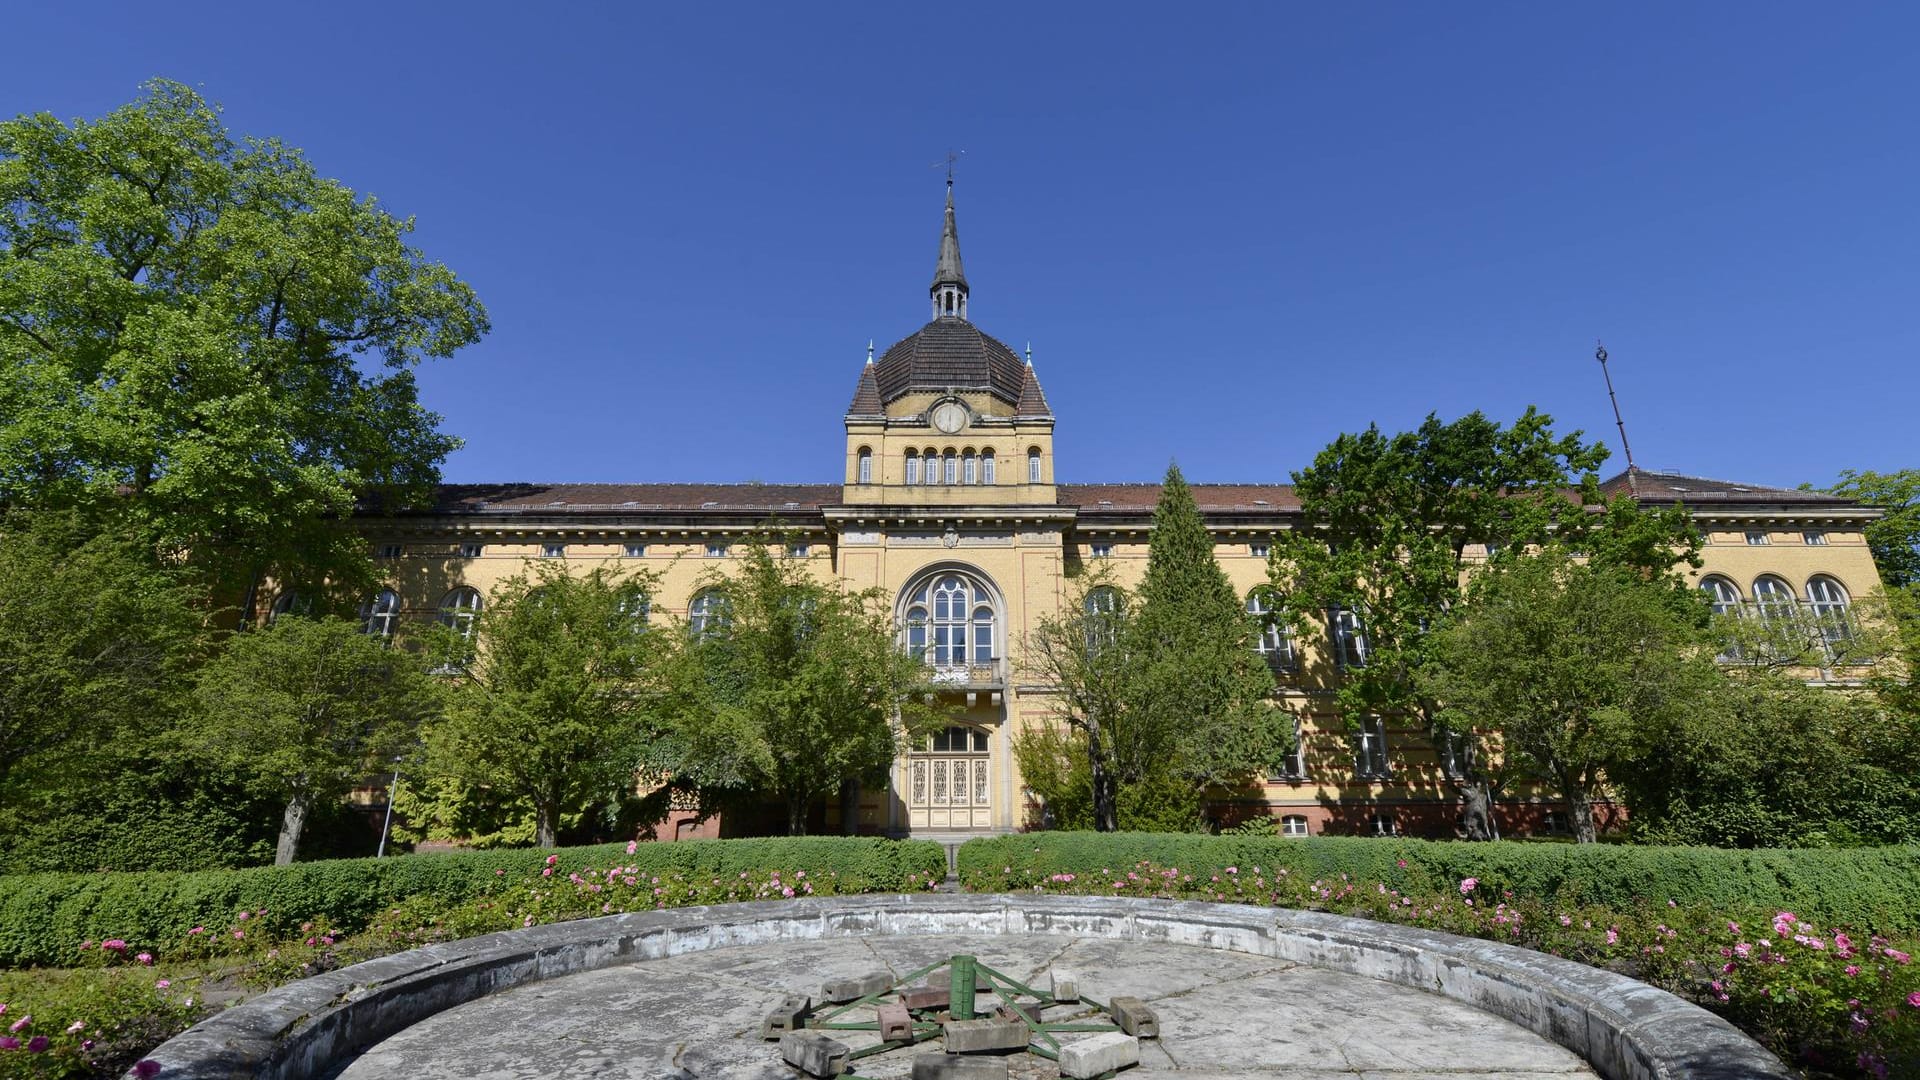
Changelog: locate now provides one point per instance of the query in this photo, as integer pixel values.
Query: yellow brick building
(948, 503)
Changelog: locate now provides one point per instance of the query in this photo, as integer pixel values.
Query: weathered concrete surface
(1315, 1020)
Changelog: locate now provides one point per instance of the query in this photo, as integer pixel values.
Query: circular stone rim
(1623, 1028)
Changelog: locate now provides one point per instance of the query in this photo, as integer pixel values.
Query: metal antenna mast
(1600, 354)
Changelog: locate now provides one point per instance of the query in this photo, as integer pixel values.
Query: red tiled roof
(1214, 498)
(1662, 487)
(522, 498)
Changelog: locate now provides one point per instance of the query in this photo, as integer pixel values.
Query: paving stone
(1135, 1017)
(841, 991)
(959, 1067)
(786, 1016)
(815, 1053)
(926, 997)
(1109, 1051)
(982, 1036)
(1065, 985)
(896, 1024)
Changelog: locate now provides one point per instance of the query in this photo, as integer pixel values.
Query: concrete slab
(697, 1017)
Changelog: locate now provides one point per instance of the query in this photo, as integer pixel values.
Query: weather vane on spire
(952, 159)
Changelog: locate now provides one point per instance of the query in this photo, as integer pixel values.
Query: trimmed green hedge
(1866, 888)
(44, 917)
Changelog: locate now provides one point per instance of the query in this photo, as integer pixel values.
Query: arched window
(636, 608)
(864, 470)
(708, 613)
(1829, 602)
(913, 467)
(933, 465)
(1033, 465)
(289, 602)
(379, 615)
(459, 609)
(986, 467)
(1275, 637)
(1349, 638)
(953, 467)
(1103, 608)
(950, 622)
(970, 467)
(1773, 598)
(1724, 595)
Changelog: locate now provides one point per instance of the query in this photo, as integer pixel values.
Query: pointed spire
(869, 352)
(949, 289)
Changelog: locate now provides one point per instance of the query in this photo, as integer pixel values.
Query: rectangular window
(388, 551)
(866, 468)
(1293, 767)
(1758, 539)
(970, 468)
(798, 551)
(716, 550)
(636, 551)
(1454, 754)
(1258, 551)
(986, 469)
(913, 470)
(1101, 551)
(1370, 749)
(1033, 468)
(1814, 538)
(1349, 639)
(471, 551)
(553, 551)
(1293, 825)
(1381, 823)
(952, 467)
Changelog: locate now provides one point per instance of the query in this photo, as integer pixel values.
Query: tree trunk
(291, 822)
(1479, 811)
(796, 816)
(849, 807)
(1580, 809)
(546, 825)
(1106, 814)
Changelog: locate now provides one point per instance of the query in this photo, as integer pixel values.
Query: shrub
(1867, 888)
(45, 917)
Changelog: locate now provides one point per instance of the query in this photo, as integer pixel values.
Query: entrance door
(947, 782)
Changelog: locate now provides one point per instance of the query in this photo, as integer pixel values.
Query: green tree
(1387, 521)
(1162, 690)
(798, 689)
(207, 340)
(552, 701)
(1895, 538)
(1567, 659)
(97, 641)
(307, 709)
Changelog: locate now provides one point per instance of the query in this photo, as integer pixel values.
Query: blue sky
(1229, 234)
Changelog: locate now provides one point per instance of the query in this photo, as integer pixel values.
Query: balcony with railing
(955, 674)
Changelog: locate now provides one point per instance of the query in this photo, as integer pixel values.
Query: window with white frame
(636, 608)
(1103, 606)
(708, 613)
(472, 551)
(1033, 465)
(289, 602)
(933, 466)
(716, 549)
(1828, 601)
(1722, 594)
(1381, 823)
(951, 467)
(863, 471)
(635, 551)
(1293, 766)
(553, 551)
(388, 551)
(913, 467)
(986, 467)
(1370, 749)
(459, 610)
(1349, 636)
(1553, 823)
(799, 549)
(1773, 598)
(1757, 538)
(1274, 637)
(950, 622)
(1100, 550)
(1456, 753)
(1293, 825)
(1258, 550)
(1814, 538)
(380, 615)
(972, 465)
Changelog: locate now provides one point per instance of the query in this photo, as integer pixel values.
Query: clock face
(950, 416)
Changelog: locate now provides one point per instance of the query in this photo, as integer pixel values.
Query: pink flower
(1897, 956)
(1913, 999)
(1613, 936)
(20, 1023)
(548, 872)
(238, 934)
(145, 958)
(499, 873)
(162, 984)
(1852, 970)
(633, 846)
(8, 1042)
(76, 1027)
(115, 944)
(1467, 885)
(196, 931)
(551, 859)
(1566, 920)
(38, 1044)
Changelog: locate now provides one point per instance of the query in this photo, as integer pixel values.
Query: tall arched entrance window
(951, 617)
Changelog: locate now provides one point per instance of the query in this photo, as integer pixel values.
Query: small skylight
(1260, 502)
(708, 505)
(1106, 502)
